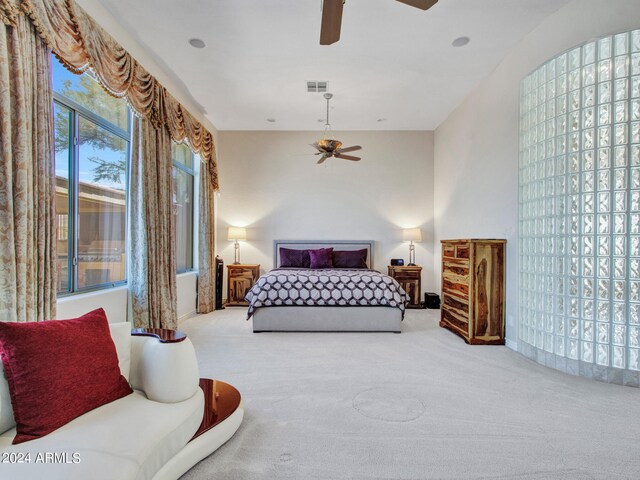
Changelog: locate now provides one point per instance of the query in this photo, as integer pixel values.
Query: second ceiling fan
(330, 147)
(332, 17)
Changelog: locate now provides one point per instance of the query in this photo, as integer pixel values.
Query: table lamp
(412, 235)
(235, 234)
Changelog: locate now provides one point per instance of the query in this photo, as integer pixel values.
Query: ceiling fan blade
(299, 155)
(347, 157)
(322, 159)
(349, 149)
(421, 4)
(317, 147)
(331, 21)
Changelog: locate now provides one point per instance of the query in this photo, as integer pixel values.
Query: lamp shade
(411, 235)
(237, 233)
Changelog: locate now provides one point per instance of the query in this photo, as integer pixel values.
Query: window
(92, 135)
(183, 175)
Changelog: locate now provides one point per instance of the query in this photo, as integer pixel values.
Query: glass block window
(579, 219)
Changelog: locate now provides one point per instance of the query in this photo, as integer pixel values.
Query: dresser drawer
(462, 251)
(243, 272)
(456, 289)
(457, 305)
(457, 268)
(456, 250)
(461, 319)
(458, 323)
(406, 275)
(454, 279)
(448, 250)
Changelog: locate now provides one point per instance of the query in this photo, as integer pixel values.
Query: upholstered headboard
(311, 244)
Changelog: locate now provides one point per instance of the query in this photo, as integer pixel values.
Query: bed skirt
(327, 319)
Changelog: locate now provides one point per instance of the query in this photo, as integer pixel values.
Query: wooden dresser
(240, 279)
(473, 289)
(409, 278)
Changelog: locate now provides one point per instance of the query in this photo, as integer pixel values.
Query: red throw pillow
(59, 369)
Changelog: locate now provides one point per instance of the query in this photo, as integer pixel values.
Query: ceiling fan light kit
(330, 147)
(329, 144)
(332, 17)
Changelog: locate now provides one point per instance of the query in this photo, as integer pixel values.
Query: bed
(296, 296)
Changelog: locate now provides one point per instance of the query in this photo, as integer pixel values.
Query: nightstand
(409, 279)
(240, 279)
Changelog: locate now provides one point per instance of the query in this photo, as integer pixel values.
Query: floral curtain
(152, 272)
(206, 243)
(27, 178)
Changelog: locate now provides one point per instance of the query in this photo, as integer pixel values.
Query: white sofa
(144, 435)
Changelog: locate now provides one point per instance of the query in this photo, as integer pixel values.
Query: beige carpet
(419, 405)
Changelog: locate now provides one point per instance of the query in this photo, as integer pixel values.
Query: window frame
(192, 173)
(76, 111)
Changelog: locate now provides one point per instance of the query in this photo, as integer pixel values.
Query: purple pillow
(321, 258)
(350, 258)
(290, 258)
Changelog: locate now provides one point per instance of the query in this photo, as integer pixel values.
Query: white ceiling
(393, 61)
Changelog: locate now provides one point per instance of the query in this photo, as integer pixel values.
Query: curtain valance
(80, 43)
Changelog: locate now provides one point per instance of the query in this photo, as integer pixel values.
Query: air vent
(314, 86)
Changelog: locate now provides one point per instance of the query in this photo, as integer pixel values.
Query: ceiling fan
(328, 148)
(332, 17)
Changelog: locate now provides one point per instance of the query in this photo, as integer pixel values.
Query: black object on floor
(219, 277)
(431, 300)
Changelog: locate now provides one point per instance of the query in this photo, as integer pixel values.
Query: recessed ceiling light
(271, 120)
(460, 41)
(197, 43)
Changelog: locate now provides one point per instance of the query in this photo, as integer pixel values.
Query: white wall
(114, 301)
(270, 183)
(186, 293)
(476, 147)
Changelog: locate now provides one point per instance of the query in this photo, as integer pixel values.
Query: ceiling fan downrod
(327, 125)
(328, 148)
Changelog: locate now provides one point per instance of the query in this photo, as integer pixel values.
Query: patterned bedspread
(282, 287)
